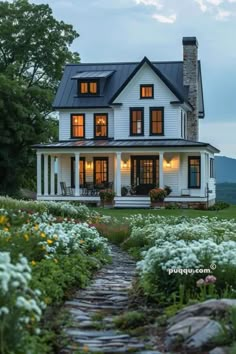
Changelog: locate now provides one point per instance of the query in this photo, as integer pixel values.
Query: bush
(124, 191)
(157, 194)
(107, 195)
(219, 206)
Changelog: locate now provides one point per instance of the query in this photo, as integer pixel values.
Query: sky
(128, 30)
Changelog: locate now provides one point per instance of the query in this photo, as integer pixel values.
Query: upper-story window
(136, 121)
(77, 125)
(146, 91)
(88, 88)
(101, 126)
(156, 120)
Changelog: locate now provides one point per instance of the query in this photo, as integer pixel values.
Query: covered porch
(131, 174)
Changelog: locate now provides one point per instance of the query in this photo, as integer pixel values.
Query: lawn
(228, 213)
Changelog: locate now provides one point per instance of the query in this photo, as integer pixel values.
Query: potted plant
(157, 196)
(107, 197)
(168, 190)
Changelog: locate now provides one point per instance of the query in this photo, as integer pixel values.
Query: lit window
(136, 121)
(194, 174)
(77, 125)
(88, 87)
(100, 170)
(157, 121)
(146, 91)
(100, 126)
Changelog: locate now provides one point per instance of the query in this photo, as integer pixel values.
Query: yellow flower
(42, 234)
(5, 229)
(26, 237)
(85, 348)
(36, 227)
(49, 242)
(33, 263)
(55, 260)
(3, 219)
(81, 241)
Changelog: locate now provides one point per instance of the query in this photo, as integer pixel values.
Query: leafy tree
(34, 47)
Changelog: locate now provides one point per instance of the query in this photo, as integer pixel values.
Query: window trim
(146, 85)
(199, 159)
(94, 126)
(132, 109)
(151, 109)
(71, 125)
(89, 93)
(100, 158)
(72, 175)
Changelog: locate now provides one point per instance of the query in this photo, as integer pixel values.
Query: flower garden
(43, 256)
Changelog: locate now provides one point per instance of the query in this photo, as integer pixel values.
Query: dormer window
(146, 91)
(88, 88)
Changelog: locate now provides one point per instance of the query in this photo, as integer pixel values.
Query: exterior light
(168, 164)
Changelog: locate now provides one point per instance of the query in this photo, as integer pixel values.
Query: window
(100, 170)
(156, 121)
(194, 174)
(100, 126)
(77, 125)
(146, 91)
(136, 121)
(81, 171)
(212, 169)
(88, 87)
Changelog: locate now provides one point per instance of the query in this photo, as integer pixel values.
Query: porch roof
(92, 143)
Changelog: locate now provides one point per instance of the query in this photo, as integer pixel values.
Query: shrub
(219, 206)
(107, 195)
(157, 194)
(124, 191)
(20, 306)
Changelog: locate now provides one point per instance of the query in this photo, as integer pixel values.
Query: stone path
(94, 308)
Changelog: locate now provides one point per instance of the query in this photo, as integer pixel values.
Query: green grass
(228, 213)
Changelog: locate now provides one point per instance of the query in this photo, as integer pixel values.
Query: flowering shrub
(107, 195)
(157, 194)
(20, 306)
(183, 243)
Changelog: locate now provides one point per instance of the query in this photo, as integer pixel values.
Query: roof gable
(157, 72)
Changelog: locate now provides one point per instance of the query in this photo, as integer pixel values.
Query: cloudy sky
(128, 30)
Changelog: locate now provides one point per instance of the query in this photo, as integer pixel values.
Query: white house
(132, 125)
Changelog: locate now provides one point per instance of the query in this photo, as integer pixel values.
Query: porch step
(132, 202)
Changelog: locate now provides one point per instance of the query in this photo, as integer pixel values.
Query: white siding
(64, 122)
(171, 174)
(130, 97)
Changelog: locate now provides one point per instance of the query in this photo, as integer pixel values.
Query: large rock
(208, 308)
(220, 350)
(192, 333)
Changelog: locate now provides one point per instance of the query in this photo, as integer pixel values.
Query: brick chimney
(190, 79)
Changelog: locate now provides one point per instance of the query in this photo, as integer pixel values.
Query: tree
(34, 48)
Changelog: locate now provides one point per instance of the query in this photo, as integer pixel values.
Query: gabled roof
(66, 96)
(170, 72)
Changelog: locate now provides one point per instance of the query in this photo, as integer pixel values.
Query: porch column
(203, 174)
(118, 174)
(45, 174)
(39, 174)
(77, 181)
(58, 175)
(161, 176)
(52, 187)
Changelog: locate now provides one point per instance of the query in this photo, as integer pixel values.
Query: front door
(144, 173)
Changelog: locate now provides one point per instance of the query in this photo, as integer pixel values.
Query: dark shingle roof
(111, 143)
(66, 96)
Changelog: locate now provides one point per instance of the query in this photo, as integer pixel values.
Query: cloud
(223, 15)
(202, 5)
(155, 3)
(215, 2)
(165, 19)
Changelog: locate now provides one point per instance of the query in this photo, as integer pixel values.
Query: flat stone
(79, 333)
(192, 333)
(219, 350)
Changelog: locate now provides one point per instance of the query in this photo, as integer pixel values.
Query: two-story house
(132, 125)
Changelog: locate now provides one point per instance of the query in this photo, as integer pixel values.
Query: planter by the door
(157, 205)
(108, 204)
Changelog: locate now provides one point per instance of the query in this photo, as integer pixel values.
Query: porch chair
(66, 190)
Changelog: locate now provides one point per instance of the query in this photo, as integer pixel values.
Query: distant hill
(225, 168)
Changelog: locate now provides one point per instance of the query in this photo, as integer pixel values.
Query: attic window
(88, 88)
(146, 91)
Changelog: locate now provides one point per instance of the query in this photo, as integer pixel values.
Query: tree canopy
(34, 47)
